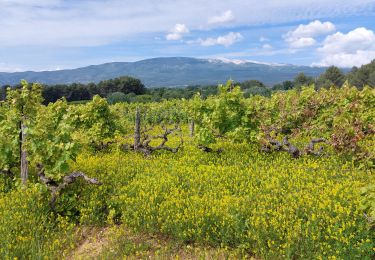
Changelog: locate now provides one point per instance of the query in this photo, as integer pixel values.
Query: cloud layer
(39, 34)
(354, 48)
(303, 35)
(94, 22)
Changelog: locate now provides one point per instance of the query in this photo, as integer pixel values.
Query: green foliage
(9, 139)
(49, 132)
(95, 121)
(302, 80)
(286, 85)
(224, 115)
(164, 113)
(254, 87)
(122, 84)
(51, 141)
(331, 77)
(78, 91)
(20, 106)
(365, 75)
(26, 99)
(116, 97)
(343, 116)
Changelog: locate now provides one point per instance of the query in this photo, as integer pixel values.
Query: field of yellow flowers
(269, 206)
(266, 205)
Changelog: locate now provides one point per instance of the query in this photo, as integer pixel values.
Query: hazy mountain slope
(175, 71)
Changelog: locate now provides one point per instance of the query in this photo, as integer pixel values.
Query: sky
(59, 34)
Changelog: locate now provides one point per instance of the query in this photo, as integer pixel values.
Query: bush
(117, 97)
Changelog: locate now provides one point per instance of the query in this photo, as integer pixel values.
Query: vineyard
(287, 176)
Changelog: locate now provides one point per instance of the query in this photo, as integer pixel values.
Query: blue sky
(58, 34)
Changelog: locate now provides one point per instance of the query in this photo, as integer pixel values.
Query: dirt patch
(118, 242)
(93, 240)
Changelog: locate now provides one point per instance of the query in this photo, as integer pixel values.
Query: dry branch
(310, 148)
(102, 145)
(55, 187)
(142, 139)
(295, 152)
(144, 143)
(290, 148)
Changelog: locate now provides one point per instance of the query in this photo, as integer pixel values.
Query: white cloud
(177, 32)
(312, 29)
(358, 39)
(225, 40)
(347, 59)
(263, 39)
(303, 35)
(267, 46)
(225, 17)
(302, 42)
(354, 48)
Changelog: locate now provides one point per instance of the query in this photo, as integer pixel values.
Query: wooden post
(137, 129)
(192, 126)
(24, 163)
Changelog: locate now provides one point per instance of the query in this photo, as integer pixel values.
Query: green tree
(286, 85)
(371, 79)
(331, 77)
(302, 80)
(122, 84)
(362, 76)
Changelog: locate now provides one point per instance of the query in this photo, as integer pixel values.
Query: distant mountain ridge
(168, 72)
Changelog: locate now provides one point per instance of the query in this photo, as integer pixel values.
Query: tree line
(333, 76)
(80, 92)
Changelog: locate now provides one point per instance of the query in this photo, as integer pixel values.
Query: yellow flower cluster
(27, 228)
(269, 205)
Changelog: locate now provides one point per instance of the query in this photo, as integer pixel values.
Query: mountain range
(168, 72)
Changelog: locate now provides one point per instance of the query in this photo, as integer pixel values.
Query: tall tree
(362, 76)
(302, 80)
(331, 77)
